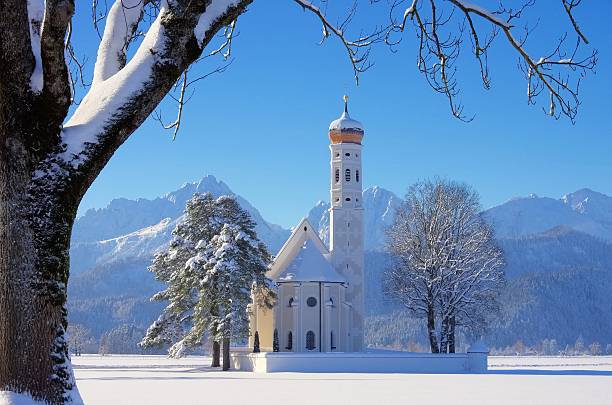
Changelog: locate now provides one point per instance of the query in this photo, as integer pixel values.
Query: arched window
(347, 175)
(337, 175)
(290, 302)
(310, 340)
(289, 341)
(357, 176)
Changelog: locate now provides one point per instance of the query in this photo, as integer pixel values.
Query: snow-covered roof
(310, 265)
(345, 122)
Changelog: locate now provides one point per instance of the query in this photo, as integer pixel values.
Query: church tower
(346, 217)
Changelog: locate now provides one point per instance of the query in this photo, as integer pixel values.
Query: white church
(319, 313)
(320, 290)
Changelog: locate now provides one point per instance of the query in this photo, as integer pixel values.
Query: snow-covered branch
(36, 13)
(124, 93)
(121, 24)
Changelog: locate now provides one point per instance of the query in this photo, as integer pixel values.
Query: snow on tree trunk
(47, 162)
(35, 227)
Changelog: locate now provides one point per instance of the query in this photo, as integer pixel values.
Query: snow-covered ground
(512, 380)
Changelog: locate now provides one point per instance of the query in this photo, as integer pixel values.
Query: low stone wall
(366, 362)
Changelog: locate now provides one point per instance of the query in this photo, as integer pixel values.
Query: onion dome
(345, 129)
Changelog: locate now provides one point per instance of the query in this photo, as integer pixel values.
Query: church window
(331, 340)
(290, 302)
(310, 340)
(347, 154)
(337, 175)
(347, 199)
(357, 176)
(347, 175)
(289, 341)
(311, 302)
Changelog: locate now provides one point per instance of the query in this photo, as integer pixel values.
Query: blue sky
(261, 126)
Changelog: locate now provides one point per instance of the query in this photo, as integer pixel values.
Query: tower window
(347, 199)
(347, 154)
(311, 302)
(347, 175)
(357, 175)
(310, 340)
(332, 344)
(290, 302)
(337, 175)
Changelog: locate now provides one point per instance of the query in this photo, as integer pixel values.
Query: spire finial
(345, 98)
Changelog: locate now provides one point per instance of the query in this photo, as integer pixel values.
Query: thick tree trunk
(34, 241)
(226, 354)
(431, 327)
(216, 354)
(444, 336)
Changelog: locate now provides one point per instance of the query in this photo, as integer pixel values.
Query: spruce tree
(212, 268)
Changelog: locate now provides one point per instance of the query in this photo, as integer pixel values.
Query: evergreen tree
(235, 267)
(212, 268)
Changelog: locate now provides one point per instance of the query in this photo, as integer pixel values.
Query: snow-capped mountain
(554, 248)
(136, 229)
(584, 210)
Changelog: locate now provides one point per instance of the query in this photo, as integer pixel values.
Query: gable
(302, 233)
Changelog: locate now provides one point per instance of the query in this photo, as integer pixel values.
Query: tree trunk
(431, 327)
(444, 336)
(216, 354)
(35, 226)
(226, 354)
(451, 335)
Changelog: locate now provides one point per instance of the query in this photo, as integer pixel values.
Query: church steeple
(346, 214)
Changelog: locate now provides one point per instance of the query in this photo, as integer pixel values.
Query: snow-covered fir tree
(211, 268)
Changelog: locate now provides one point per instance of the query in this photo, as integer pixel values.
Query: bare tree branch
(559, 73)
(358, 49)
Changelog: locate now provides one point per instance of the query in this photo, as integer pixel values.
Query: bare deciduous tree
(48, 159)
(447, 266)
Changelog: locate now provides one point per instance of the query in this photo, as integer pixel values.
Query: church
(320, 295)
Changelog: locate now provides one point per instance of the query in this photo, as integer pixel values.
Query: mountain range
(547, 242)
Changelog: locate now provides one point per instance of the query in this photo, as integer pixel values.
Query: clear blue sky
(262, 125)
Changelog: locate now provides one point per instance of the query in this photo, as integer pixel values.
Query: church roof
(311, 265)
(304, 257)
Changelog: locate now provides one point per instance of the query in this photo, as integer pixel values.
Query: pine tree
(213, 267)
(235, 271)
(256, 348)
(275, 344)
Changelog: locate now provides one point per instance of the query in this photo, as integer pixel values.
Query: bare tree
(48, 159)
(78, 337)
(447, 266)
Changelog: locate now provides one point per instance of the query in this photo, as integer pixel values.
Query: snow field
(155, 380)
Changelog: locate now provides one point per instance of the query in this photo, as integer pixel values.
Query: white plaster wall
(361, 362)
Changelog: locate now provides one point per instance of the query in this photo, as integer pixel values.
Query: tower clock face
(311, 302)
